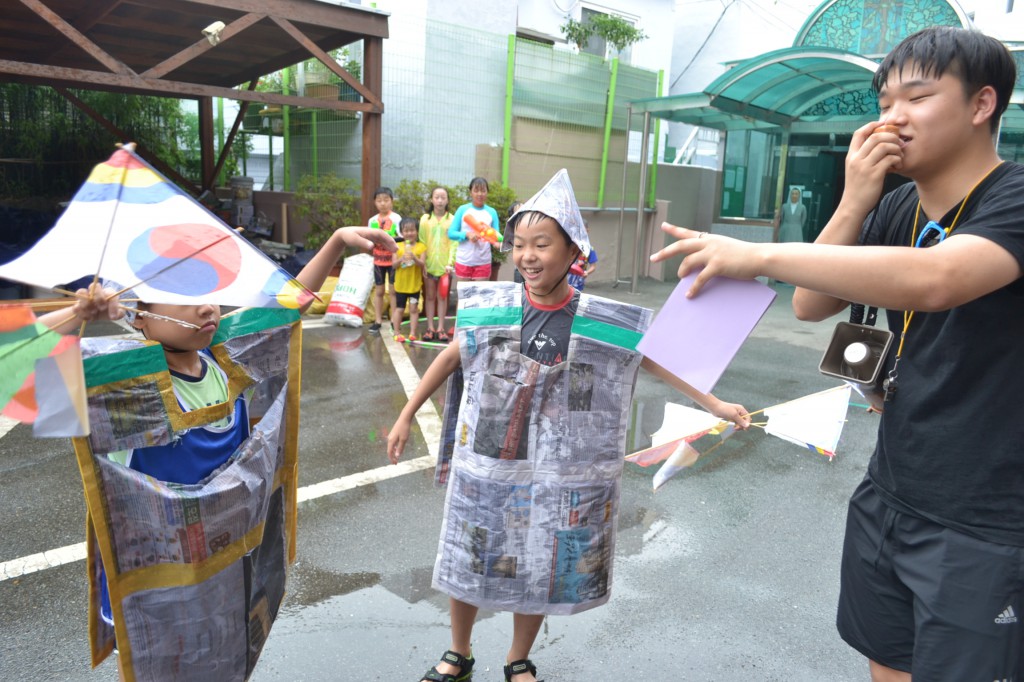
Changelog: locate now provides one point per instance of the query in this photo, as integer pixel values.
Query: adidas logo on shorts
(1007, 616)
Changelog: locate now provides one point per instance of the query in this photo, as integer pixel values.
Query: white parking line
(426, 418)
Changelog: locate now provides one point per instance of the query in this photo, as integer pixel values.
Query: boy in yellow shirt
(410, 263)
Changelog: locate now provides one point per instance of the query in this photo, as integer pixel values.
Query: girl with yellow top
(440, 261)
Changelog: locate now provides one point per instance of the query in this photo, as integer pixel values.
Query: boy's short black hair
(383, 190)
(973, 57)
(409, 221)
(527, 218)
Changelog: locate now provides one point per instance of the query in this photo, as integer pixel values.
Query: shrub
(327, 203)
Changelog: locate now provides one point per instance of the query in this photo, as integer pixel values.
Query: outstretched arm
(440, 369)
(897, 278)
(313, 275)
(732, 412)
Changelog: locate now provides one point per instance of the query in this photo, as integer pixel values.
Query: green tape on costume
(128, 364)
(606, 333)
(489, 317)
(252, 320)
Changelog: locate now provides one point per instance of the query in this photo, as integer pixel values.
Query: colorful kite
(41, 380)
(673, 442)
(129, 224)
(814, 422)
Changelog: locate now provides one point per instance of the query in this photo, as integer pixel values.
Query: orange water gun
(488, 234)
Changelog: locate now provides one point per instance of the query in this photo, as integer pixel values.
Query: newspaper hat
(557, 201)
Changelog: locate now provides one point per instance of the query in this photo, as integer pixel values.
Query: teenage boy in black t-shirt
(933, 562)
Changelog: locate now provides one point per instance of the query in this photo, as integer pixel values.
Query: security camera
(212, 32)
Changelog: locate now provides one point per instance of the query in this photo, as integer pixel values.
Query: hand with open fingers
(397, 438)
(366, 238)
(713, 255)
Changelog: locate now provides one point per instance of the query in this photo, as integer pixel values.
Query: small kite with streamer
(674, 442)
(814, 422)
(42, 381)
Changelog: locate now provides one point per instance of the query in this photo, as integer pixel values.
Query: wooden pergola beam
(201, 46)
(76, 37)
(373, 62)
(328, 61)
(40, 74)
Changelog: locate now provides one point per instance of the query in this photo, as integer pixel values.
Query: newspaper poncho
(534, 456)
(195, 572)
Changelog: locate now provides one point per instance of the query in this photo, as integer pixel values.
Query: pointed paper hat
(557, 201)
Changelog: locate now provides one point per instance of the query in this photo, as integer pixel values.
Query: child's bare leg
(394, 304)
(442, 311)
(429, 294)
(378, 303)
(524, 633)
(396, 316)
(463, 616)
(414, 318)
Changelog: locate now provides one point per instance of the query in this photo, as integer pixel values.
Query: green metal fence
(459, 103)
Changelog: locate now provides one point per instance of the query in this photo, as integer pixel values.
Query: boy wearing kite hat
(534, 436)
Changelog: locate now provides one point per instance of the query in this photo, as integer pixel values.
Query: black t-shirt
(951, 444)
(546, 329)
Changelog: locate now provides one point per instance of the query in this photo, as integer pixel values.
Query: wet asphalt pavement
(728, 573)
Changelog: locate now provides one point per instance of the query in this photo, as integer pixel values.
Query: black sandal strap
(433, 676)
(450, 657)
(518, 667)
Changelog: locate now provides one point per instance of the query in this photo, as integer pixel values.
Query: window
(598, 45)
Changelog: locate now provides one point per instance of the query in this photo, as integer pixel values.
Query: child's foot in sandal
(522, 670)
(428, 335)
(443, 337)
(454, 667)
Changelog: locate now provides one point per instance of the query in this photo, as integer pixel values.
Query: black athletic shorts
(383, 271)
(920, 597)
(401, 299)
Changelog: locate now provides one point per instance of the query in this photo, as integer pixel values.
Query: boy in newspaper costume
(535, 452)
(181, 560)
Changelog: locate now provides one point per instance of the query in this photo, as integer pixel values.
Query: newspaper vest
(196, 572)
(534, 455)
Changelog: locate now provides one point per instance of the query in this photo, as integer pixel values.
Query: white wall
(653, 17)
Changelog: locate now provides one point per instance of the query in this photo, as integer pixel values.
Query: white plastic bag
(351, 292)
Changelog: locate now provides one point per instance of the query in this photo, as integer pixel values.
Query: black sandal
(518, 667)
(452, 658)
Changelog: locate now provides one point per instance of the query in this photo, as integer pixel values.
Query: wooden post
(373, 63)
(207, 151)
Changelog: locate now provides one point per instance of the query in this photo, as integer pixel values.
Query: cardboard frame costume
(534, 455)
(195, 573)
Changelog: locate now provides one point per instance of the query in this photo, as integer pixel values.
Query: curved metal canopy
(774, 90)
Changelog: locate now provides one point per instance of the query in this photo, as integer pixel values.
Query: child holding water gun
(383, 266)
(473, 256)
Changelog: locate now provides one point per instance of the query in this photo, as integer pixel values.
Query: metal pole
(640, 201)
(622, 202)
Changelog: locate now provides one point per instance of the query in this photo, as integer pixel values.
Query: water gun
(488, 234)
(385, 225)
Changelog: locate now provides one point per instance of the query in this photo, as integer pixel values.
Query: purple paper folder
(696, 338)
